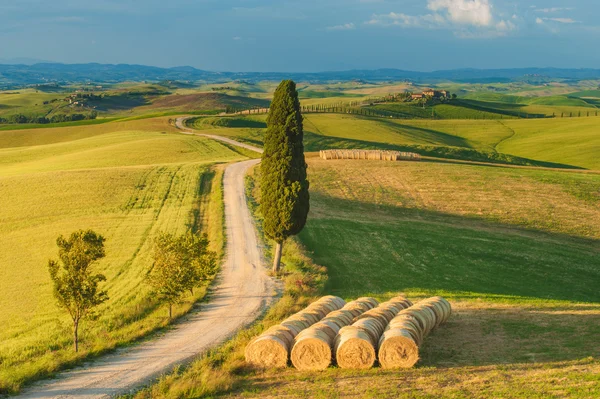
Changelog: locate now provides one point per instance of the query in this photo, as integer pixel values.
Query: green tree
(181, 263)
(76, 287)
(284, 186)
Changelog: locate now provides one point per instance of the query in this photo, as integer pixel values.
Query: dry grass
(551, 201)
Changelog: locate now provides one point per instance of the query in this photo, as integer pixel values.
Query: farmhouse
(436, 93)
(417, 96)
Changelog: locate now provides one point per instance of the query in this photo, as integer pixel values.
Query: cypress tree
(284, 187)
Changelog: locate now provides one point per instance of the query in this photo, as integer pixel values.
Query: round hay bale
(282, 332)
(329, 327)
(371, 302)
(267, 352)
(339, 302)
(386, 313)
(341, 316)
(418, 316)
(446, 305)
(312, 351)
(373, 327)
(353, 349)
(356, 311)
(295, 326)
(397, 350)
(410, 326)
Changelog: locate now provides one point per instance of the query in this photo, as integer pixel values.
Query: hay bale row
(313, 347)
(399, 344)
(355, 345)
(376, 155)
(271, 349)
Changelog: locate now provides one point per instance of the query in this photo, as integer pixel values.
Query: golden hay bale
(401, 298)
(312, 350)
(341, 317)
(372, 326)
(425, 317)
(367, 300)
(267, 352)
(446, 305)
(282, 332)
(397, 349)
(330, 327)
(386, 314)
(354, 349)
(409, 325)
(272, 348)
(339, 302)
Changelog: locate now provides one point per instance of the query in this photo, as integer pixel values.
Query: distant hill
(40, 73)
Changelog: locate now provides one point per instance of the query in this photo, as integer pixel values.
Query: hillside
(565, 143)
(12, 75)
(127, 181)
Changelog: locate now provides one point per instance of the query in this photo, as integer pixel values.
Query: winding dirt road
(180, 124)
(241, 293)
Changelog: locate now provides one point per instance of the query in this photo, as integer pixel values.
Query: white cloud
(553, 9)
(563, 20)
(560, 20)
(467, 18)
(348, 26)
(468, 12)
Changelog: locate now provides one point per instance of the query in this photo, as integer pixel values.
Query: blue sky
(305, 35)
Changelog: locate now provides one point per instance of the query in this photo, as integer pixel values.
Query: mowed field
(127, 181)
(515, 251)
(568, 142)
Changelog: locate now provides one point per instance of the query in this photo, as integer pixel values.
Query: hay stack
(399, 344)
(355, 345)
(271, 349)
(314, 346)
(369, 155)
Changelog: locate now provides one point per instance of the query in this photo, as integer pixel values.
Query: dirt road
(242, 291)
(180, 123)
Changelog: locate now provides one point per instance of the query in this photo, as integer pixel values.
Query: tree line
(58, 118)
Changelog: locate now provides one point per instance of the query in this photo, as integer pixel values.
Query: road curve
(180, 124)
(240, 294)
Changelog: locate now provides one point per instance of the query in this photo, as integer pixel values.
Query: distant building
(431, 93)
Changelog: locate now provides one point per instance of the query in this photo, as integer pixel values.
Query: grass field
(568, 142)
(515, 251)
(127, 181)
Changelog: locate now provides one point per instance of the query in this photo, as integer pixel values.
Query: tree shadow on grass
(314, 142)
(433, 137)
(376, 249)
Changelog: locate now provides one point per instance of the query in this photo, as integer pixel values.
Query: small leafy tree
(75, 286)
(181, 263)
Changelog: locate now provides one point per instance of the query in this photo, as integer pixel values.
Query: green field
(127, 181)
(568, 142)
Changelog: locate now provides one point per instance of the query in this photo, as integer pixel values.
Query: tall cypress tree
(284, 187)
